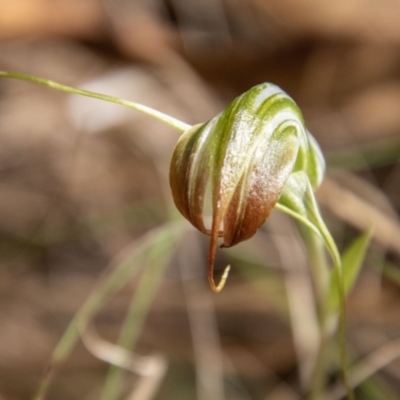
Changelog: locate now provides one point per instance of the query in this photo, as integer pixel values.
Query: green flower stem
(320, 275)
(342, 332)
(319, 270)
(173, 122)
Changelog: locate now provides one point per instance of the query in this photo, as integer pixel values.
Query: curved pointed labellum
(245, 155)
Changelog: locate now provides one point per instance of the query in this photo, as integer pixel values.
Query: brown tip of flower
(224, 277)
(211, 257)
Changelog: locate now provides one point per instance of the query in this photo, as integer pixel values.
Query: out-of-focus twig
(118, 356)
(360, 213)
(151, 369)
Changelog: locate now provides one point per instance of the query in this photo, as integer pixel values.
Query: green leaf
(352, 261)
(298, 201)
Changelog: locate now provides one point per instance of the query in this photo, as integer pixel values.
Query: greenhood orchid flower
(255, 154)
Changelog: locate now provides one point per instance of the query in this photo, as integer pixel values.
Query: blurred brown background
(82, 179)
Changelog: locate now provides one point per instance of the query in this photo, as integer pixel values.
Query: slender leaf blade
(352, 261)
